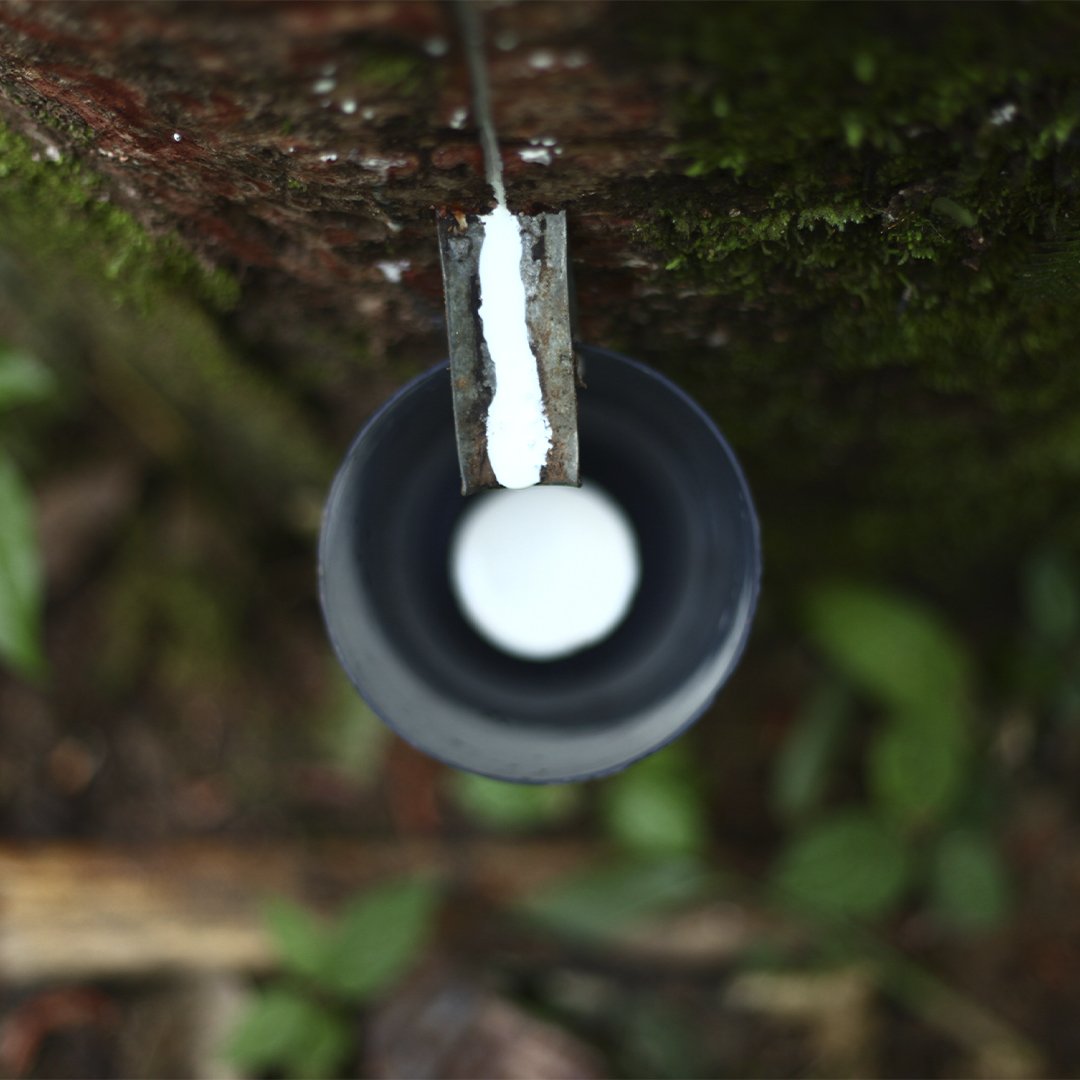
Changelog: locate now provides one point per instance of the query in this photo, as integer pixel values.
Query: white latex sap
(545, 571)
(518, 431)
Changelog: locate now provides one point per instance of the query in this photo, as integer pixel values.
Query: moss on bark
(883, 201)
(869, 220)
(134, 317)
(56, 213)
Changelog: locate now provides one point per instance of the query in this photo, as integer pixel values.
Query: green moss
(138, 325)
(782, 80)
(880, 199)
(75, 131)
(59, 212)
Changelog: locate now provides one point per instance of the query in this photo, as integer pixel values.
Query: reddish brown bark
(300, 145)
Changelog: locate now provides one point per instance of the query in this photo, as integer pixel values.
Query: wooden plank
(82, 911)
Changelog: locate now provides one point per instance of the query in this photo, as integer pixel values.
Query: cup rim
(732, 657)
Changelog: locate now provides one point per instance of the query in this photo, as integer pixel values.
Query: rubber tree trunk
(849, 231)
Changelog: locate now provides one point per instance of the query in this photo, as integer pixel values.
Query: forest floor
(851, 234)
(193, 707)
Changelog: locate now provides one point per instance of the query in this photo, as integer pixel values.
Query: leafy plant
(508, 807)
(657, 805)
(300, 1022)
(655, 813)
(848, 864)
(23, 381)
(862, 860)
(604, 901)
(895, 650)
(21, 579)
(288, 1030)
(917, 764)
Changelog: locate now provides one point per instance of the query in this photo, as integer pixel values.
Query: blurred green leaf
(303, 945)
(286, 1031)
(849, 864)
(23, 380)
(272, 1024)
(802, 769)
(657, 805)
(1052, 598)
(894, 649)
(969, 883)
(511, 807)
(606, 900)
(379, 937)
(917, 767)
(21, 579)
(327, 1044)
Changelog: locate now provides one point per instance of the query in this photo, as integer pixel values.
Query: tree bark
(848, 231)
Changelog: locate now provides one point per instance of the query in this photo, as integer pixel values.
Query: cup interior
(404, 642)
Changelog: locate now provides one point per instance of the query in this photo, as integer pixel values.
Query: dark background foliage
(849, 231)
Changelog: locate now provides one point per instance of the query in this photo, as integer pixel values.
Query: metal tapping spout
(475, 372)
(506, 282)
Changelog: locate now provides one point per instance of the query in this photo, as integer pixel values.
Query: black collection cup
(399, 632)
